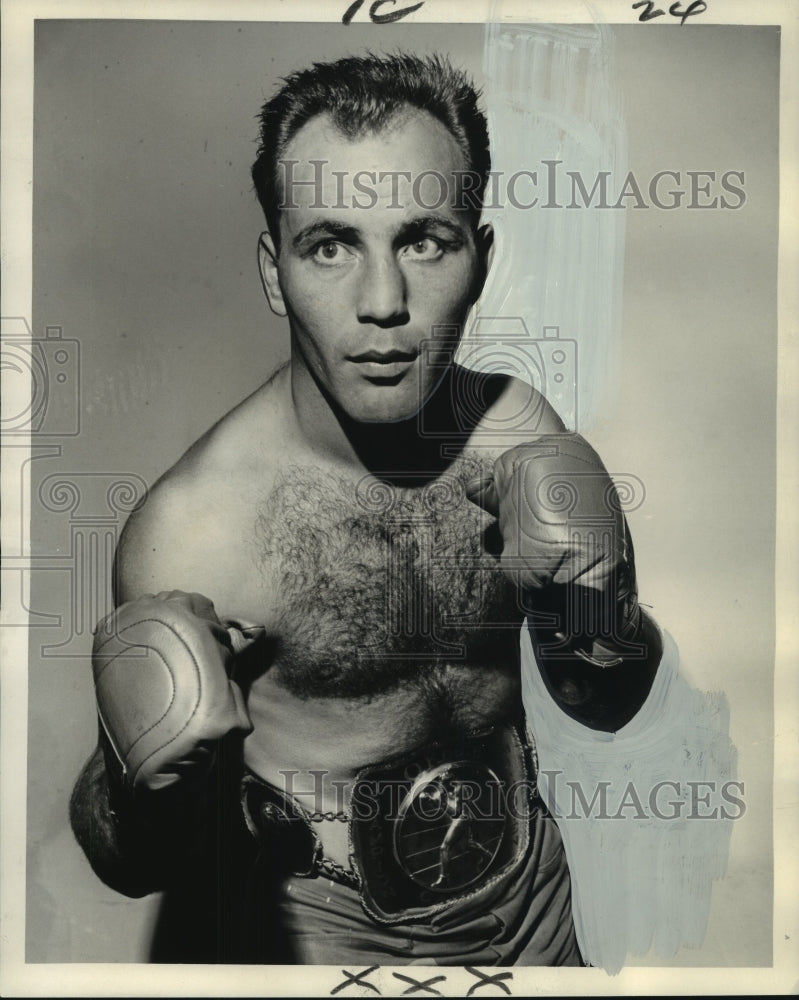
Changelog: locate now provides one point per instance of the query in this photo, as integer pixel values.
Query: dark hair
(363, 94)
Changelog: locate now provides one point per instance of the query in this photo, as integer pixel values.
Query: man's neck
(421, 446)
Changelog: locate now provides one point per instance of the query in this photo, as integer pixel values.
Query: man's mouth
(383, 357)
(384, 367)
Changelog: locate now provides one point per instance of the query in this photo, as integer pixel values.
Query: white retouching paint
(550, 96)
(644, 853)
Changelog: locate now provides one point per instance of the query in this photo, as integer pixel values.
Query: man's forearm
(604, 698)
(135, 848)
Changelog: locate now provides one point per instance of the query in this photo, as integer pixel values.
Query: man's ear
(484, 239)
(267, 263)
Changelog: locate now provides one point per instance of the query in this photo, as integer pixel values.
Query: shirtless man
(322, 600)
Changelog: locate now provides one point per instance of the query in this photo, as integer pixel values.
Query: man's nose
(382, 294)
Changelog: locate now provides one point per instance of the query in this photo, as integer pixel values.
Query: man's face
(367, 289)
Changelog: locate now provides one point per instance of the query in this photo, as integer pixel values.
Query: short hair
(362, 94)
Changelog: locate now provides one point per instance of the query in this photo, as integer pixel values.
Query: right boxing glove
(162, 673)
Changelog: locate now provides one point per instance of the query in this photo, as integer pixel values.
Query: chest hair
(382, 584)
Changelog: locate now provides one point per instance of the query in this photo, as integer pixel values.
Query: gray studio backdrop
(145, 230)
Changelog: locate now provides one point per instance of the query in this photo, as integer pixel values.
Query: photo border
(22, 979)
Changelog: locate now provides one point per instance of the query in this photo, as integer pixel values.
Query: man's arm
(162, 667)
(94, 825)
(567, 547)
(600, 662)
(127, 851)
(600, 697)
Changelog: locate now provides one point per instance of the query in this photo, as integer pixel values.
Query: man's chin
(385, 414)
(386, 405)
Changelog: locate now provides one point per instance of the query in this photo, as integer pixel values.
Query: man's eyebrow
(325, 227)
(423, 223)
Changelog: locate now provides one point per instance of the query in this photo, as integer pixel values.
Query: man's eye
(330, 252)
(426, 249)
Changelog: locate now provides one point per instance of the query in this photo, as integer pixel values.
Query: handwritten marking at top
(650, 13)
(377, 18)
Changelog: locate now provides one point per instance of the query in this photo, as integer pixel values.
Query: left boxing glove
(566, 542)
(165, 695)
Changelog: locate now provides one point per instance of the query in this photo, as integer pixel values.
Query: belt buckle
(443, 839)
(443, 825)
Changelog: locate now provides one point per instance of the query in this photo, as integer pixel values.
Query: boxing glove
(565, 543)
(165, 692)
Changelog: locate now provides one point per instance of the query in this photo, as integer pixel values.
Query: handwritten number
(395, 15)
(694, 8)
(649, 13)
(675, 10)
(351, 11)
(377, 18)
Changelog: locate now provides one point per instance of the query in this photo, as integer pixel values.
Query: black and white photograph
(399, 486)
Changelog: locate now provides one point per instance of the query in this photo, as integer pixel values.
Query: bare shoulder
(511, 410)
(524, 409)
(191, 531)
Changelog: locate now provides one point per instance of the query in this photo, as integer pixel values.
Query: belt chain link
(332, 869)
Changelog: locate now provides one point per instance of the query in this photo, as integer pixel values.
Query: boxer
(319, 607)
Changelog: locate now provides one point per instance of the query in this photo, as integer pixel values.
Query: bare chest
(380, 588)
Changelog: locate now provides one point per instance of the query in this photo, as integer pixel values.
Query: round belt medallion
(450, 826)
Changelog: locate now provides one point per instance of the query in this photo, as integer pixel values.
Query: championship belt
(441, 825)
